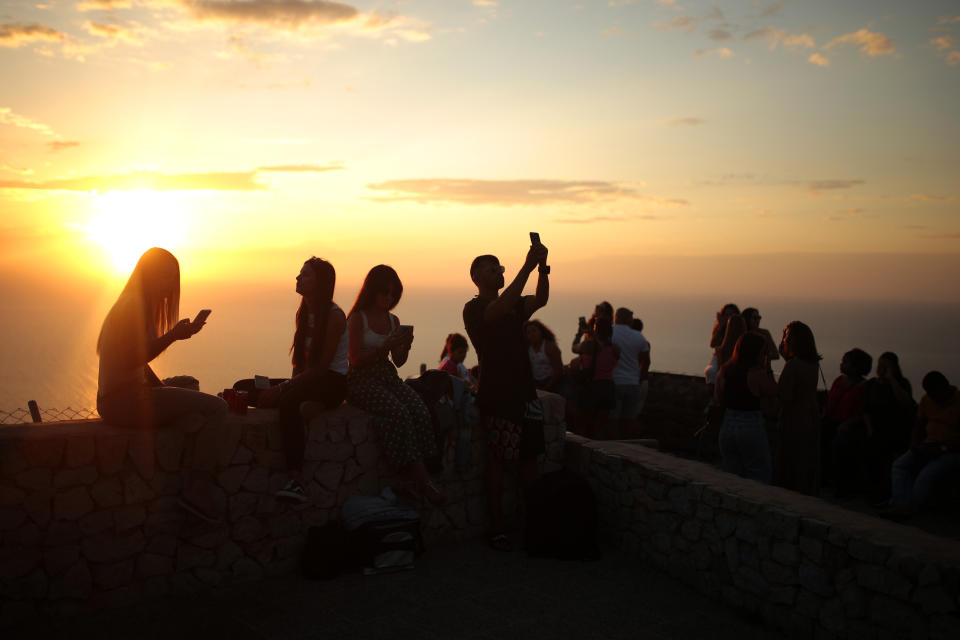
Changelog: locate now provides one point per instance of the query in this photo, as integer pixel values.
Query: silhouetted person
(716, 339)
(645, 362)
(598, 357)
(935, 452)
(507, 399)
(797, 460)
(451, 359)
(546, 363)
(889, 413)
(845, 423)
(741, 383)
(751, 317)
(142, 323)
(403, 420)
(626, 375)
(602, 310)
(320, 364)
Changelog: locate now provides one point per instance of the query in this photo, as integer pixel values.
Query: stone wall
(89, 514)
(674, 411)
(806, 567)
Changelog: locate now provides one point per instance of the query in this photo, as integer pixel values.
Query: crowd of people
(869, 437)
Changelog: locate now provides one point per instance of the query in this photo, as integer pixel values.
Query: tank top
(736, 393)
(606, 362)
(540, 363)
(372, 339)
(339, 363)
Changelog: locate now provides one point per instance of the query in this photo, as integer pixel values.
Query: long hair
(321, 302)
(150, 301)
(894, 361)
(716, 336)
(454, 341)
(802, 343)
(736, 327)
(548, 336)
(747, 353)
(603, 328)
(380, 279)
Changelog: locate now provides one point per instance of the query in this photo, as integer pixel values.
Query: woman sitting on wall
(319, 366)
(403, 420)
(142, 323)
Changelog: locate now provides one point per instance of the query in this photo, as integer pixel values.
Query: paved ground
(466, 591)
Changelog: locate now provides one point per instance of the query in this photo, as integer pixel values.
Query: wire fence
(21, 416)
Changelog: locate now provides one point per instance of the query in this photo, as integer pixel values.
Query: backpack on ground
(562, 518)
(381, 536)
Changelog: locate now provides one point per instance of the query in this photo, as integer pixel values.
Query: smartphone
(202, 316)
(583, 322)
(534, 237)
(261, 382)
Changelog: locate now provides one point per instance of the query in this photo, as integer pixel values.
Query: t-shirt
(632, 344)
(943, 420)
(843, 402)
(506, 383)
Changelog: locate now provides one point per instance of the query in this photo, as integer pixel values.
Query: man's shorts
(507, 440)
(628, 402)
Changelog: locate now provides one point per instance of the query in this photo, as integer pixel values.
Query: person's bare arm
(400, 344)
(510, 296)
(761, 382)
(538, 301)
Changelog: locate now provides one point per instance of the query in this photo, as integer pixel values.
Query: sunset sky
(641, 138)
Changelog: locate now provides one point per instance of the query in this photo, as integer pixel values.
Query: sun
(127, 223)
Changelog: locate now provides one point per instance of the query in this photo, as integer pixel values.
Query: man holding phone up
(507, 398)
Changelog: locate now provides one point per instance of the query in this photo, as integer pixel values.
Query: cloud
(948, 19)
(222, 181)
(678, 122)
(18, 35)
(612, 31)
(23, 171)
(102, 5)
(771, 10)
(302, 168)
(775, 37)
(926, 197)
(510, 192)
(719, 34)
(945, 235)
(61, 145)
(113, 31)
(943, 43)
(683, 23)
(723, 52)
(819, 60)
(870, 42)
(604, 218)
(816, 186)
(284, 14)
(7, 116)
(485, 3)
(953, 58)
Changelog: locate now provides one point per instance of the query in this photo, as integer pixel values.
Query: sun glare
(127, 223)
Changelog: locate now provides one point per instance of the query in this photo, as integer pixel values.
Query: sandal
(500, 542)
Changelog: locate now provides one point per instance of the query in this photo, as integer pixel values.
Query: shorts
(507, 440)
(628, 401)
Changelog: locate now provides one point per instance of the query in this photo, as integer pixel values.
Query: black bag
(385, 545)
(325, 553)
(562, 518)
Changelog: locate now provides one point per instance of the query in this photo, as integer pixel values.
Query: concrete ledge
(808, 568)
(89, 515)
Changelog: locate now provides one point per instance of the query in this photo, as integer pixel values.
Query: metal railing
(21, 416)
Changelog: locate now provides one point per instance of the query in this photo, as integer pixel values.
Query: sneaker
(293, 491)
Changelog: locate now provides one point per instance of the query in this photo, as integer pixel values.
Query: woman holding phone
(319, 353)
(403, 420)
(142, 323)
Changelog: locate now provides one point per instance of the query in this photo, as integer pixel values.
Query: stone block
(151, 564)
(35, 585)
(107, 492)
(813, 528)
(169, 448)
(285, 525)
(815, 579)
(129, 517)
(59, 559)
(777, 573)
(783, 595)
(113, 576)
(111, 452)
(726, 524)
(690, 530)
(12, 460)
(76, 583)
(934, 599)
(80, 452)
(17, 561)
(330, 474)
(892, 615)
(883, 580)
(257, 480)
(247, 529)
(868, 550)
(136, 491)
(35, 479)
(242, 504)
(184, 584)
(367, 454)
(209, 577)
(811, 548)
(747, 530)
(96, 522)
(359, 431)
(228, 553)
(164, 544)
(112, 548)
(28, 535)
(211, 537)
(81, 476)
(750, 580)
(832, 616)
(72, 504)
(117, 598)
(854, 601)
(43, 451)
(10, 519)
(928, 576)
(255, 437)
(155, 588)
(231, 479)
(190, 557)
(231, 432)
(243, 455)
(62, 533)
(11, 496)
(15, 613)
(142, 450)
(785, 553)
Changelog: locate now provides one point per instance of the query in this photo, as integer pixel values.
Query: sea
(47, 343)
